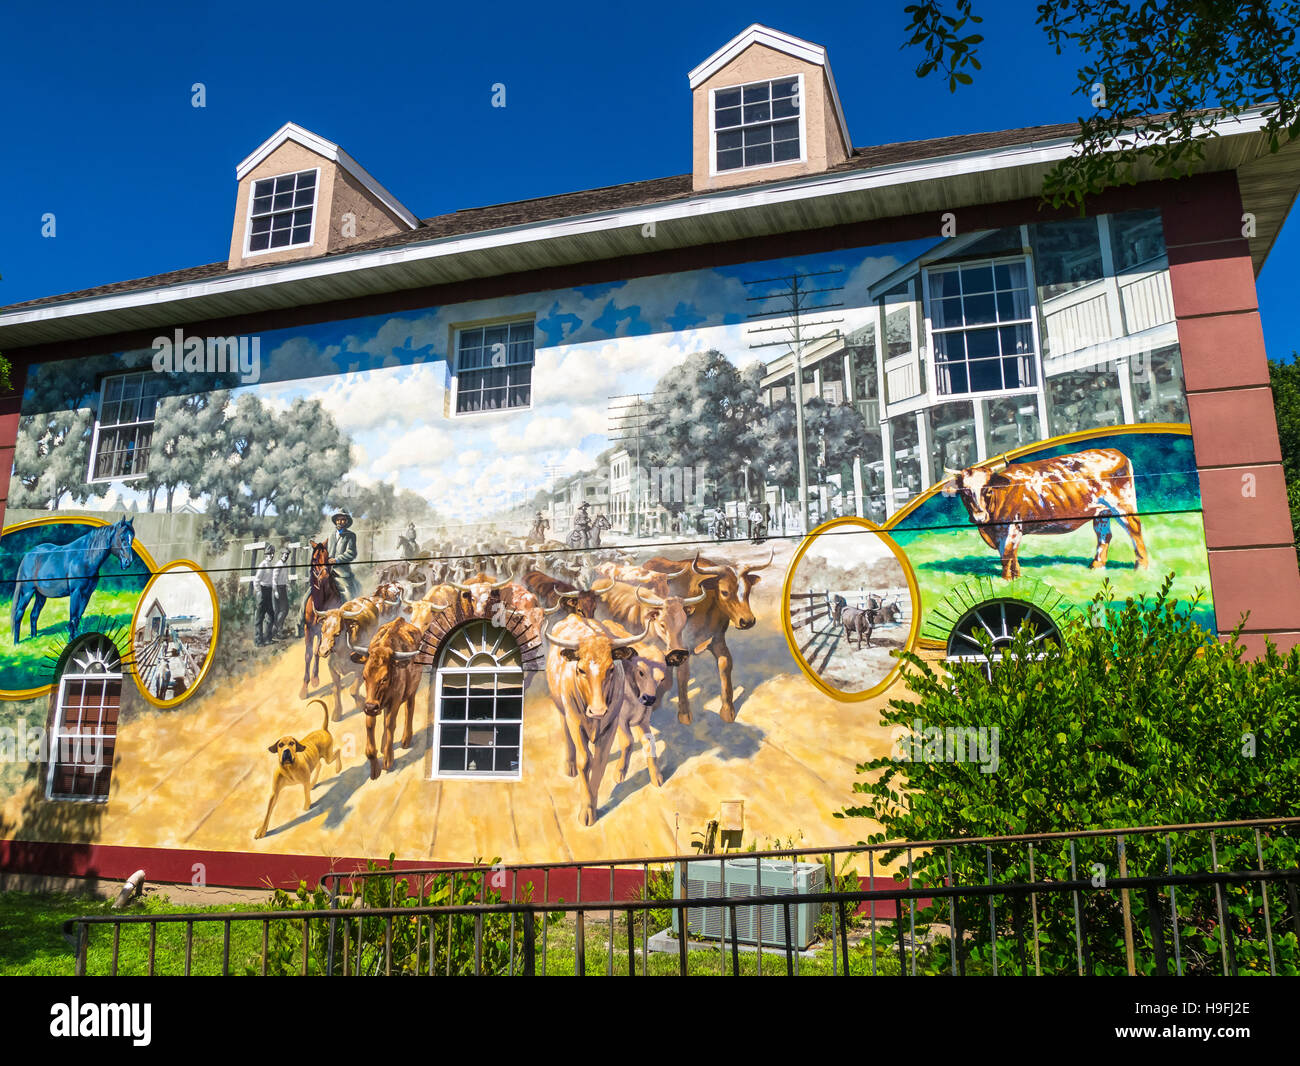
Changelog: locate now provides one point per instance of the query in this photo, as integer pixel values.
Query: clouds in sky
(383, 379)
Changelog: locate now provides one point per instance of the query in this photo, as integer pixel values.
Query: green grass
(946, 559)
(561, 956)
(32, 944)
(31, 663)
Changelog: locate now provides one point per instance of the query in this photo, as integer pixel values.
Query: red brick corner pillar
(10, 406)
(1247, 521)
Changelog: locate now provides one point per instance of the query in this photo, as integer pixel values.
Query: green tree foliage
(1143, 720)
(1285, 379)
(708, 415)
(1162, 66)
(52, 452)
(835, 434)
(262, 471)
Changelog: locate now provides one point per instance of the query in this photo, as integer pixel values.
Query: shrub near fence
(453, 945)
(1144, 717)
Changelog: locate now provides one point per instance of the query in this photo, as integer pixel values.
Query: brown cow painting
(1011, 501)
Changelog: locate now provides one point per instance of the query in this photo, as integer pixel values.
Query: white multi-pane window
(981, 319)
(494, 367)
(85, 724)
(480, 703)
(757, 125)
(124, 428)
(281, 210)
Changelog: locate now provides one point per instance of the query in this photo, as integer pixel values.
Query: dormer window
(282, 210)
(758, 124)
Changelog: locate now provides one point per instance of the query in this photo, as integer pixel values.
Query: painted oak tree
(708, 418)
(1158, 77)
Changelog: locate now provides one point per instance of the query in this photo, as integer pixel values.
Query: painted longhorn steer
(392, 679)
(360, 618)
(640, 599)
(553, 594)
(590, 669)
(481, 593)
(859, 620)
(1008, 502)
(726, 604)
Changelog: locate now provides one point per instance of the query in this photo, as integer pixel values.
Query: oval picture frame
(145, 600)
(914, 594)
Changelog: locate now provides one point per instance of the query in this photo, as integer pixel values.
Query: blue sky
(100, 131)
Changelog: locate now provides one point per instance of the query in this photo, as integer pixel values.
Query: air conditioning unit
(750, 877)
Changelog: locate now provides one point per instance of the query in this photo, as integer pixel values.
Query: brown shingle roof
(568, 205)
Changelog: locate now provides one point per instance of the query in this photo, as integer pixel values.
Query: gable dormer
(764, 107)
(302, 196)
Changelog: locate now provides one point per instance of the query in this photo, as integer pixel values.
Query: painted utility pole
(801, 298)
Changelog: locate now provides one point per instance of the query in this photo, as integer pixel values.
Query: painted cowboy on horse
(342, 548)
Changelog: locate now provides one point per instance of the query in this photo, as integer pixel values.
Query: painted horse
(325, 595)
(52, 571)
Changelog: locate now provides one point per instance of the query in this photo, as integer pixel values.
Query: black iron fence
(1220, 898)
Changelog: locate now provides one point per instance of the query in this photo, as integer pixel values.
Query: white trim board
(713, 203)
(781, 42)
(329, 150)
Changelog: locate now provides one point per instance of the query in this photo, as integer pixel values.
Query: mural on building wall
(444, 524)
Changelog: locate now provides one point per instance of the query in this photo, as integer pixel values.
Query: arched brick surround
(525, 633)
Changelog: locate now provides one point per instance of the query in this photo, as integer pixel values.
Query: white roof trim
(781, 42)
(329, 150)
(793, 191)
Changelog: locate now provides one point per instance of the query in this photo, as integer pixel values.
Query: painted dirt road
(790, 755)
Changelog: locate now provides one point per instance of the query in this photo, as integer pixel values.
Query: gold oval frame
(75, 520)
(913, 589)
(208, 660)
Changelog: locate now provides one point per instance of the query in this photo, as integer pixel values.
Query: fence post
(1130, 961)
(83, 947)
(1157, 933)
(530, 944)
(334, 896)
(1268, 921)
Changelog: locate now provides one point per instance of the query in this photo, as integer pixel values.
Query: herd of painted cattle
(614, 637)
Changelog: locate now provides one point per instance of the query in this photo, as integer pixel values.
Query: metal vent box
(750, 877)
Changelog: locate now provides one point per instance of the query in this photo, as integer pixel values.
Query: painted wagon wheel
(998, 620)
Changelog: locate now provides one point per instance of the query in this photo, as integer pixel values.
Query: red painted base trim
(232, 869)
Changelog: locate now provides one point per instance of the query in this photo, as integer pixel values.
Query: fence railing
(1048, 903)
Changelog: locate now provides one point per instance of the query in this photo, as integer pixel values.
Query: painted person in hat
(342, 548)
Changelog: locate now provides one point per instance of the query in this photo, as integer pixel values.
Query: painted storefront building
(554, 572)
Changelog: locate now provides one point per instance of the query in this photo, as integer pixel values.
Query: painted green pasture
(945, 559)
(32, 662)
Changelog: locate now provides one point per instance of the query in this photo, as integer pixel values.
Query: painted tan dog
(299, 762)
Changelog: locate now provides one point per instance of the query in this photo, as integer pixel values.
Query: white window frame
(248, 214)
(56, 735)
(800, 92)
(91, 479)
(436, 772)
(932, 348)
(454, 370)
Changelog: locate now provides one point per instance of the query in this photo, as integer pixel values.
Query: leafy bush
(411, 938)
(1142, 719)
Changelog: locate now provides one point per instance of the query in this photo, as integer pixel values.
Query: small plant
(376, 944)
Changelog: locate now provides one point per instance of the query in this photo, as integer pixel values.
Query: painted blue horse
(52, 571)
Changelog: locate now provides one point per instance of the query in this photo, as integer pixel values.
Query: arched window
(84, 729)
(479, 689)
(998, 621)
